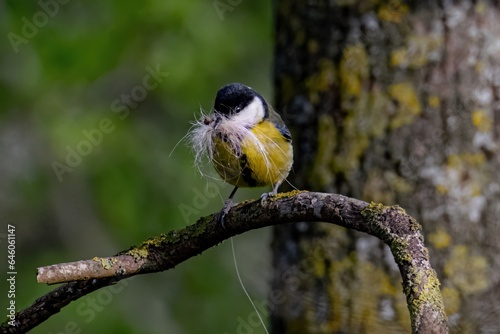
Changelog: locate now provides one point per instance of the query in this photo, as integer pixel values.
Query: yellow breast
(264, 158)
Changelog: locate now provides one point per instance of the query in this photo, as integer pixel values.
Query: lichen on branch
(390, 224)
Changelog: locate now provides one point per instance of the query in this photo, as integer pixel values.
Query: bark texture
(395, 102)
(390, 224)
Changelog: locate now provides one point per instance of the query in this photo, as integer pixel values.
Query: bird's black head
(234, 97)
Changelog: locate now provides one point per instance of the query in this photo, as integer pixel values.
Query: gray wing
(275, 118)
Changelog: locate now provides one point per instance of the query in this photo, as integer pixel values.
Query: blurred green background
(68, 71)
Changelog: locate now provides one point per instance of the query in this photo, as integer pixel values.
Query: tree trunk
(393, 102)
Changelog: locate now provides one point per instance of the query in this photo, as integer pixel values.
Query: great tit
(247, 142)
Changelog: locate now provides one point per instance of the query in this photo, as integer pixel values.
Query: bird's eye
(237, 109)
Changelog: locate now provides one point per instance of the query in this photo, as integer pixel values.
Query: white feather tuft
(208, 127)
(200, 138)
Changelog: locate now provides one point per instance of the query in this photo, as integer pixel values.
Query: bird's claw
(265, 196)
(225, 210)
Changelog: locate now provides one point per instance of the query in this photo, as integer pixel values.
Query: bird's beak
(212, 120)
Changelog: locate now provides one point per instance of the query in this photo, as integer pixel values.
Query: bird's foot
(265, 196)
(228, 204)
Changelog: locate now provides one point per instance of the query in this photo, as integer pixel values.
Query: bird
(246, 141)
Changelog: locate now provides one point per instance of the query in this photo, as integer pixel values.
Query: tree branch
(390, 224)
(98, 267)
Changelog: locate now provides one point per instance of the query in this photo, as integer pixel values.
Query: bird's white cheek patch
(252, 114)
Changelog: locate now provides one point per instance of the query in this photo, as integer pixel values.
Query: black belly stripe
(246, 172)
